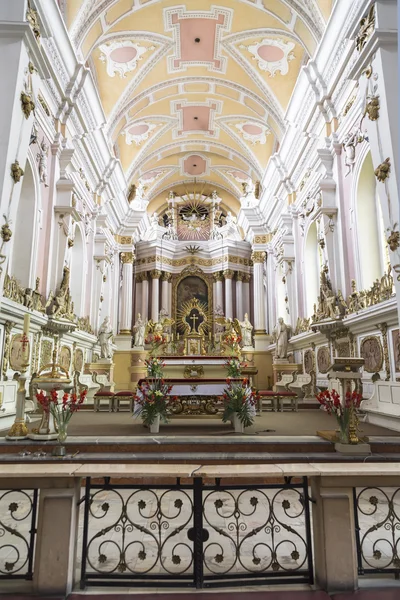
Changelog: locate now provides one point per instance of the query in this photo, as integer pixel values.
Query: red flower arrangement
(152, 399)
(332, 404)
(156, 341)
(61, 409)
(232, 343)
(239, 399)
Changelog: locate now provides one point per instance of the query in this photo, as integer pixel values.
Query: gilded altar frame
(193, 270)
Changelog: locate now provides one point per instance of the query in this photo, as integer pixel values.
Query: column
(246, 294)
(258, 259)
(155, 294)
(239, 296)
(125, 326)
(165, 287)
(138, 295)
(335, 548)
(228, 274)
(145, 296)
(55, 553)
(219, 302)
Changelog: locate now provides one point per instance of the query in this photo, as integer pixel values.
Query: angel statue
(232, 335)
(164, 321)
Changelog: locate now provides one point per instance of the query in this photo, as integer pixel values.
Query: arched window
(312, 268)
(371, 248)
(77, 277)
(24, 250)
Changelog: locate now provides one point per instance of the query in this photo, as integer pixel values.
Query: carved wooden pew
(383, 407)
(302, 385)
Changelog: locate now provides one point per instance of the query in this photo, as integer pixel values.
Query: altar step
(159, 449)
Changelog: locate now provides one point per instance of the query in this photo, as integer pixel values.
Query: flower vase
(60, 450)
(343, 434)
(237, 424)
(155, 425)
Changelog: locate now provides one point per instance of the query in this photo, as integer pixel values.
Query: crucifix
(193, 318)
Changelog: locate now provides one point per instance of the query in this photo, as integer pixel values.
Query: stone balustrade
(332, 506)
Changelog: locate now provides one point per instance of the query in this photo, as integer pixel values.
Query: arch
(312, 267)
(25, 238)
(78, 273)
(370, 239)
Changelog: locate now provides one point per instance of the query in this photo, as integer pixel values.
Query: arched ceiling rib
(195, 90)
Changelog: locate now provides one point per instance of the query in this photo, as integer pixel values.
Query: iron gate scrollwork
(377, 524)
(18, 511)
(198, 535)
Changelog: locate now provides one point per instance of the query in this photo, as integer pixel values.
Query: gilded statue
(6, 233)
(383, 170)
(27, 104)
(372, 108)
(16, 172)
(60, 304)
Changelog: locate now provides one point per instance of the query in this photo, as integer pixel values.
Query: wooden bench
(103, 396)
(277, 399)
(122, 397)
(301, 383)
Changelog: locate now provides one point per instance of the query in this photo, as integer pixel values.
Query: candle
(27, 321)
(177, 336)
(209, 336)
(172, 337)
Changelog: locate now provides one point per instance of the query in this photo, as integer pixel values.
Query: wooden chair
(103, 396)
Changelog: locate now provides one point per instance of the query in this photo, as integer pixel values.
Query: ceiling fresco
(195, 91)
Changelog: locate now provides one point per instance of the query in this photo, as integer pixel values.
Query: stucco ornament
(253, 132)
(138, 132)
(272, 55)
(121, 57)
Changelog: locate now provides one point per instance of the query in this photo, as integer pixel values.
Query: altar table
(197, 396)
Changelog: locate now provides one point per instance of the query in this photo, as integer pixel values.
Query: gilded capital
(127, 258)
(258, 257)
(141, 277)
(166, 276)
(155, 274)
(229, 274)
(217, 276)
(246, 278)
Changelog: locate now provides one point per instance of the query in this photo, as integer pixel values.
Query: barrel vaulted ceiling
(195, 89)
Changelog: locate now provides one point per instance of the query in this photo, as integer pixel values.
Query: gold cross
(194, 319)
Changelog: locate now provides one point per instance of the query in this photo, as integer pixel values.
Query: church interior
(199, 297)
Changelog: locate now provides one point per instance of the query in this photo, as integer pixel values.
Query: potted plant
(151, 403)
(240, 402)
(344, 412)
(61, 410)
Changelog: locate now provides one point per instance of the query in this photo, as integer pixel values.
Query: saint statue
(246, 329)
(105, 339)
(42, 158)
(282, 333)
(139, 329)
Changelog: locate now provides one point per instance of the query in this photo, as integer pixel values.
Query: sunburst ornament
(193, 220)
(193, 316)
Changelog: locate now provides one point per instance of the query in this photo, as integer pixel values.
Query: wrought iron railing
(377, 522)
(196, 534)
(18, 510)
